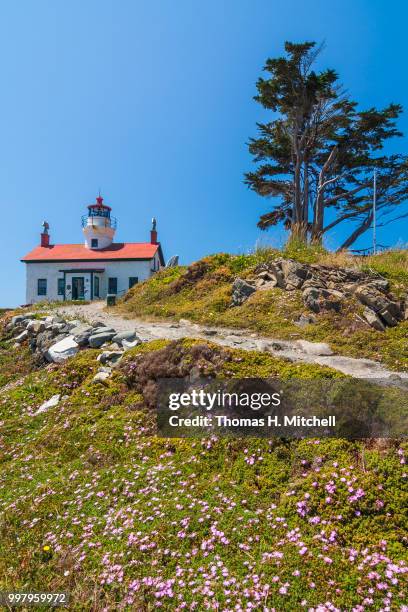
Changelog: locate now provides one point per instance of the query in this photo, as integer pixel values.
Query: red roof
(79, 252)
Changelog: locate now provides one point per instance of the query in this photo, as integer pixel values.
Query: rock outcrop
(325, 288)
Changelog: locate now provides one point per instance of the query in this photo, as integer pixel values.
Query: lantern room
(98, 225)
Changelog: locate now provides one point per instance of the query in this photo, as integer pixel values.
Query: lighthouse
(94, 269)
(98, 225)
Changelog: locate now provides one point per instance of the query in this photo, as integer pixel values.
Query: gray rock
(35, 327)
(79, 329)
(59, 328)
(380, 283)
(388, 311)
(48, 320)
(387, 315)
(294, 274)
(96, 340)
(106, 369)
(275, 270)
(305, 319)
(109, 356)
(241, 290)
(45, 339)
(62, 350)
(83, 339)
(96, 324)
(373, 319)
(82, 334)
(101, 377)
(314, 348)
(51, 403)
(322, 299)
(128, 345)
(17, 319)
(125, 335)
(21, 337)
(377, 301)
(315, 282)
(74, 323)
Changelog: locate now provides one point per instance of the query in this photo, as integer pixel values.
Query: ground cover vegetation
(94, 502)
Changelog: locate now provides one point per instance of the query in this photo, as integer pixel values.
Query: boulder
(97, 339)
(109, 357)
(322, 299)
(73, 323)
(374, 299)
(51, 403)
(45, 339)
(241, 290)
(380, 283)
(79, 329)
(387, 315)
(59, 328)
(130, 336)
(17, 319)
(384, 307)
(314, 348)
(21, 337)
(62, 350)
(48, 320)
(101, 377)
(83, 338)
(82, 333)
(316, 282)
(265, 285)
(275, 270)
(373, 319)
(35, 327)
(294, 274)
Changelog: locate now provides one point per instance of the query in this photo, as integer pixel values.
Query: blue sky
(152, 103)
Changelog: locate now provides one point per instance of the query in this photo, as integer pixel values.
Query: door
(77, 287)
(112, 285)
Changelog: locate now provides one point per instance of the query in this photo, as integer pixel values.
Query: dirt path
(296, 351)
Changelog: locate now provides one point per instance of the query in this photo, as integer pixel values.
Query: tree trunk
(365, 225)
(317, 229)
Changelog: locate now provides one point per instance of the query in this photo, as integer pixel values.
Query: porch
(82, 284)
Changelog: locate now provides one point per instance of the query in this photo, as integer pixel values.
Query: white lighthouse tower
(98, 225)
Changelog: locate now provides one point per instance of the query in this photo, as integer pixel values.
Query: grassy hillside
(202, 293)
(93, 502)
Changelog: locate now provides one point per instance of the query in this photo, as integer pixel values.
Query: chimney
(153, 232)
(45, 237)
